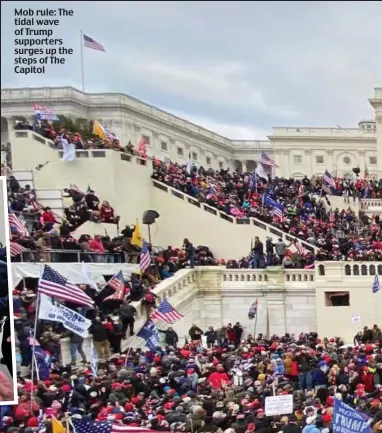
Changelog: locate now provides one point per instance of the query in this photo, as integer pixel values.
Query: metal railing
(75, 256)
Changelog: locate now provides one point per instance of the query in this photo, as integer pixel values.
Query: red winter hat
(330, 401)
(129, 407)
(32, 422)
(66, 388)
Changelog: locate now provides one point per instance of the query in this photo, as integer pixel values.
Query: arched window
(355, 270)
(321, 270)
(347, 270)
(363, 270)
(372, 270)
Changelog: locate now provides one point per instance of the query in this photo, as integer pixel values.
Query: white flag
(88, 279)
(69, 150)
(56, 312)
(261, 172)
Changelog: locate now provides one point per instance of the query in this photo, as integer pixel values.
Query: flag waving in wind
(167, 313)
(16, 223)
(55, 285)
(92, 44)
(145, 258)
(267, 160)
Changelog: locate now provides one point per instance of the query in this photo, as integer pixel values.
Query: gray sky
(237, 68)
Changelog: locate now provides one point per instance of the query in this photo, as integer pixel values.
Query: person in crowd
(127, 314)
(76, 345)
(190, 252)
(100, 339)
(171, 337)
(195, 333)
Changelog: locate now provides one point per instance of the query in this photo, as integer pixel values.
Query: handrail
(55, 256)
(229, 218)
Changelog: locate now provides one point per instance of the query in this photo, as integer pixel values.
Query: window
(163, 145)
(319, 159)
(297, 159)
(221, 165)
(337, 299)
(208, 160)
(147, 139)
(373, 160)
(180, 151)
(194, 156)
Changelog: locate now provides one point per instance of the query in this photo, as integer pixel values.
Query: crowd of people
(307, 214)
(81, 141)
(217, 380)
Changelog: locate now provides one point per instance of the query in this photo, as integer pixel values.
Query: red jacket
(106, 213)
(48, 217)
(216, 379)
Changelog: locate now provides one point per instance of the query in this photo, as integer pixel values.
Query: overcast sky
(237, 68)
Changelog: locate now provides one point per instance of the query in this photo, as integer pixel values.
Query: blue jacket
(319, 377)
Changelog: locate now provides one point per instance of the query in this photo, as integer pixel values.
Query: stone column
(376, 102)
(274, 295)
(244, 166)
(308, 163)
(330, 164)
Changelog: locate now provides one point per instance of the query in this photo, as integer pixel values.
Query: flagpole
(82, 60)
(34, 362)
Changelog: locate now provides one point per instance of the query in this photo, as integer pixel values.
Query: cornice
(322, 138)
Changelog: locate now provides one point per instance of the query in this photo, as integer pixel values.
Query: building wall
(297, 151)
(3, 201)
(126, 184)
(356, 278)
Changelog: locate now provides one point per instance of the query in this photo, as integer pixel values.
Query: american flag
(92, 44)
(54, 284)
(300, 248)
(266, 160)
(15, 249)
(145, 258)
(167, 313)
(89, 426)
(117, 282)
(328, 179)
(15, 222)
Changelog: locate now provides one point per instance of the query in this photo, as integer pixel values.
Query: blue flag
(348, 420)
(150, 334)
(44, 362)
(375, 287)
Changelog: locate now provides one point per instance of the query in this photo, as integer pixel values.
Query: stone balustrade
(214, 296)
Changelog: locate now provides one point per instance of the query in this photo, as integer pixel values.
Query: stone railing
(285, 276)
(343, 270)
(180, 288)
(324, 132)
(269, 229)
(370, 203)
(82, 153)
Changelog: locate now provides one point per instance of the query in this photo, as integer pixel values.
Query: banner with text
(348, 420)
(42, 112)
(56, 312)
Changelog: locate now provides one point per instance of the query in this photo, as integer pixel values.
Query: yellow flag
(57, 427)
(99, 130)
(137, 236)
